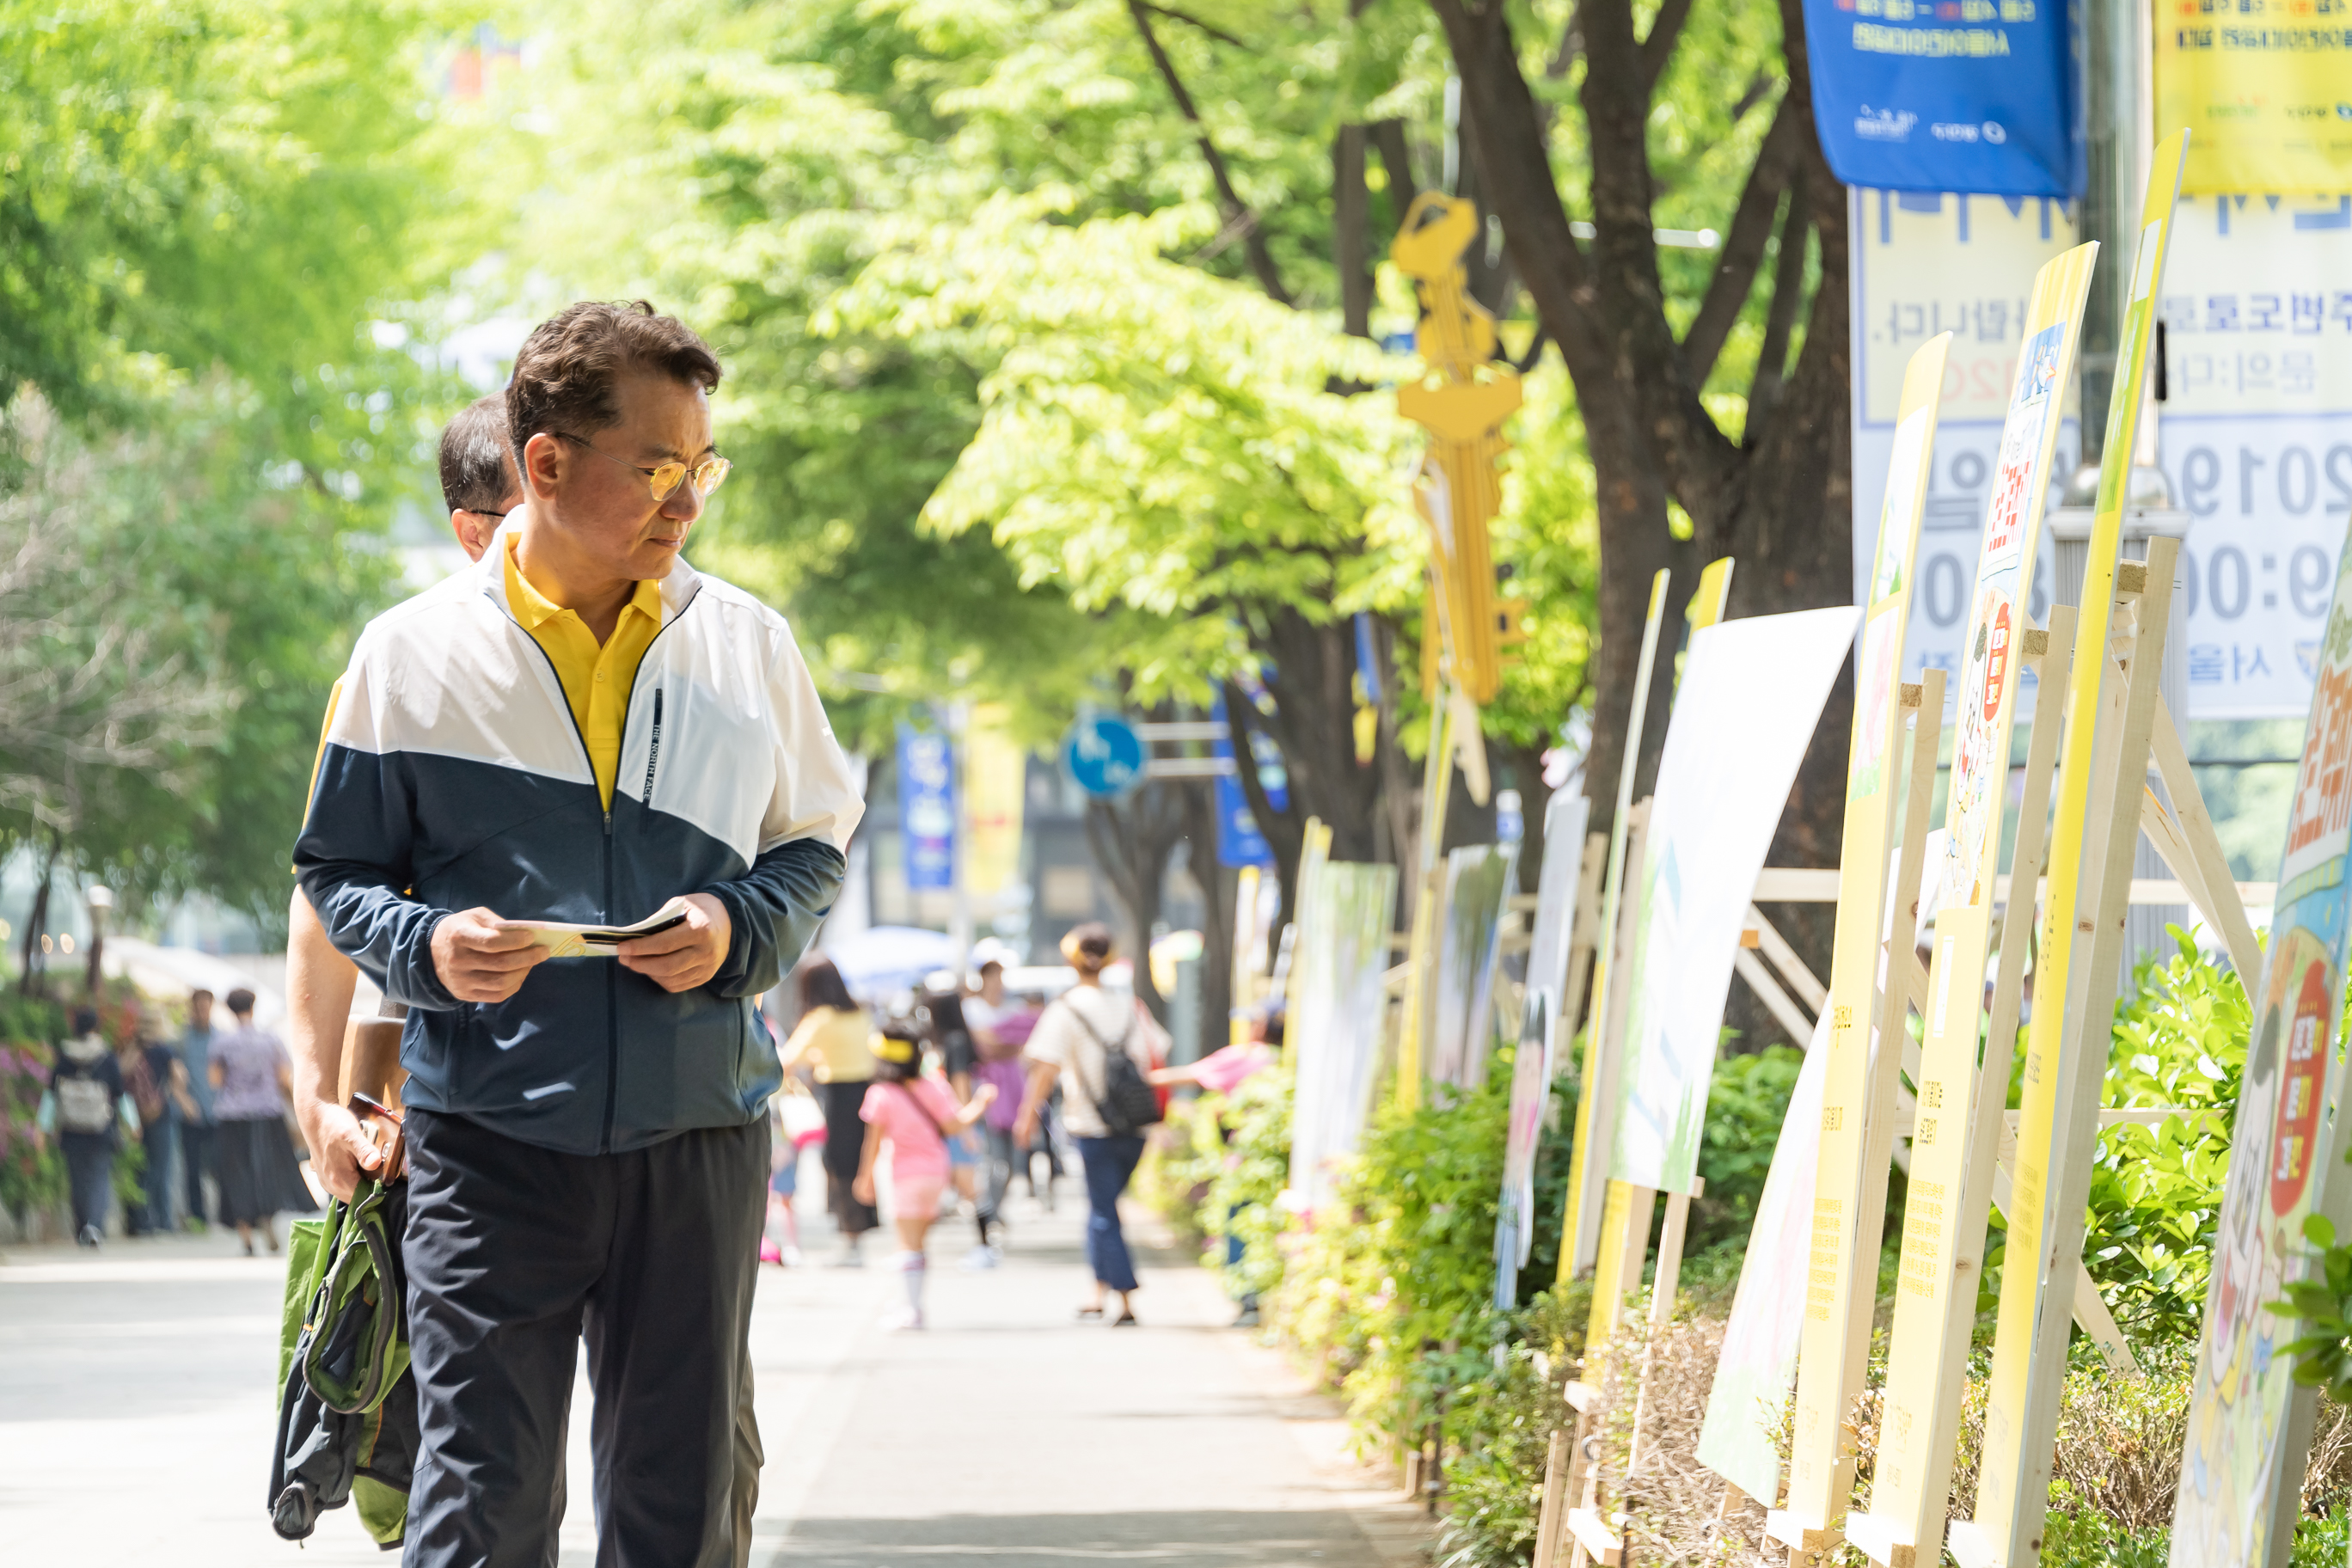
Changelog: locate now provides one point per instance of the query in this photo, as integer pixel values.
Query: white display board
(1750, 696)
(1924, 264)
(2255, 435)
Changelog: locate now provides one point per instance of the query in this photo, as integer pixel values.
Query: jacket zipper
(612, 971)
(652, 751)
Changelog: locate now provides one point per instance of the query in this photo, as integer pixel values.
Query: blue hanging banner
(1979, 96)
(1239, 842)
(927, 806)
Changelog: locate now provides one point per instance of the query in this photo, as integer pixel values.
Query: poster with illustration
(1752, 692)
(1540, 1051)
(1479, 879)
(2239, 1484)
(1988, 662)
(1335, 1035)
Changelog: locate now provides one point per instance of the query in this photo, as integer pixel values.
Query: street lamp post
(101, 899)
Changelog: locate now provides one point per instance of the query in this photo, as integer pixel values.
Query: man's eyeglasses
(478, 511)
(663, 480)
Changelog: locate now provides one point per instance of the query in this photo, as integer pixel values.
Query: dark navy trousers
(1109, 1165)
(513, 1252)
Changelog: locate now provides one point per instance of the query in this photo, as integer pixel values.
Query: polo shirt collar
(535, 609)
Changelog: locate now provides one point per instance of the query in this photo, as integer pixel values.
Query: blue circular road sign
(1104, 753)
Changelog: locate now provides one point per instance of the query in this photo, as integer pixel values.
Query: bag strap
(936, 1125)
(1092, 1033)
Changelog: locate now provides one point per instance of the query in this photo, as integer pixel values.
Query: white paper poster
(2255, 435)
(1751, 693)
(1924, 264)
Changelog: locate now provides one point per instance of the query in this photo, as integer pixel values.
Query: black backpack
(1125, 1103)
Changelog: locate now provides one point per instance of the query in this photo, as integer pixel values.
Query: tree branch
(1787, 293)
(1175, 16)
(1351, 231)
(1238, 212)
(1658, 47)
(1743, 244)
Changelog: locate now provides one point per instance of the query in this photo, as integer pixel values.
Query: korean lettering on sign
(2255, 436)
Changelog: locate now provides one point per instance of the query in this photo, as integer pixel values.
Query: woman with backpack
(86, 1091)
(1104, 1045)
(918, 1117)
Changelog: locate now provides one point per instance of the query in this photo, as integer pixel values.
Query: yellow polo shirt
(596, 679)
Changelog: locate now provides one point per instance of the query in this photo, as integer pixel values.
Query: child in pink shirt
(916, 1116)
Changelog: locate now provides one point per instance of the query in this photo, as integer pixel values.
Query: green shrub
(1243, 1198)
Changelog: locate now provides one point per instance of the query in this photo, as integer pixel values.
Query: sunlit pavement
(136, 1415)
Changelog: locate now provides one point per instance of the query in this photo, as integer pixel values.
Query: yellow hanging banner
(1842, 1280)
(2013, 1477)
(2267, 92)
(995, 784)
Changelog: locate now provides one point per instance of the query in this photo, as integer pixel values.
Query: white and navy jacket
(452, 774)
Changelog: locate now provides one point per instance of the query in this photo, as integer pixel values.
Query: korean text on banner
(1909, 1481)
(1751, 689)
(2067, 1044)
(1923, 265)
(927, 806)
(1914, 95)
(2264, 92)
(2256, 437)
(2239, 1484)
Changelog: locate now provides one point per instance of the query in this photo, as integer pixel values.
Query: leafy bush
(1243, 1199)
(1745, 1103)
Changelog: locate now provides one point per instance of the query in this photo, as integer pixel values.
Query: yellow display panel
(2264, 92)
(1836, 1329)
(2011, 1503)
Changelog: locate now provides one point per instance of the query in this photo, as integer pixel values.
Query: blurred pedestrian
(158, 1083)
(196, 1130)
(1091, 1037)
(260, 1177)
(85, 1097)
(943, 1025)
(831, 1040)
(795, 1124)
(917, 1117)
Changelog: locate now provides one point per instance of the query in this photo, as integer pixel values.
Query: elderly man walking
(582, 729)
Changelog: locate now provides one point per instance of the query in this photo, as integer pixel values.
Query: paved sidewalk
(136, 1418)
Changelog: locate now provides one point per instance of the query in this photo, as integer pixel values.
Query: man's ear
(473, 531)
(542, 464)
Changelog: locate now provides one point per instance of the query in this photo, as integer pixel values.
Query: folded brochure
(562, 941)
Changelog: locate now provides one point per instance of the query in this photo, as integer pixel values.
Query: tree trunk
(1217, 892)
(1778, 498)
(1132, 840)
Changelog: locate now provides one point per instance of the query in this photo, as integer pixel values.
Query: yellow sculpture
(1462, 402)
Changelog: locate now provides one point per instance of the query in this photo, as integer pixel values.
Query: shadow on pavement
(1327, 1536)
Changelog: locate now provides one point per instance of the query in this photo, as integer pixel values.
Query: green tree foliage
(215, 221)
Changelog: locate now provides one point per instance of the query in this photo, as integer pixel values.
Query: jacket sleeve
(777, 905)
(355, 857)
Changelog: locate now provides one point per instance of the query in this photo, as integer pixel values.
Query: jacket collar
(489, 575)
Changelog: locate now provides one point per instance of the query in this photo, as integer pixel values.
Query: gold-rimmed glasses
(664, 479)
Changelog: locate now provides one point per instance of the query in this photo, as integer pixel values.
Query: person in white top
(1077, 1033)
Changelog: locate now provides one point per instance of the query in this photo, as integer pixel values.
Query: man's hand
(481, 958)
(1025, 1129)
(685, 956)
(339, 1147)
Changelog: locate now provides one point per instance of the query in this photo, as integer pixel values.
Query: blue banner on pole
(1239, 841)
(927, 806)
(1981, 96)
